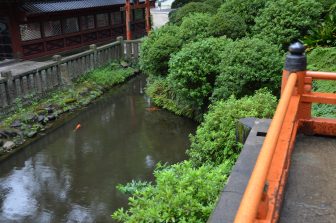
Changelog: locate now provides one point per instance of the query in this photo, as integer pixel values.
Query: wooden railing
(263, 195)
(38, 81)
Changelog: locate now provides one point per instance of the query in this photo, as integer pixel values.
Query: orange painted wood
(318, 97)
(247, 211)
(319, 75)
(318, 126)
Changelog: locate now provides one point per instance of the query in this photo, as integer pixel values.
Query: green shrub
(193, 70)
(176, 17)
(108, 76)
(179, 3)
(247, 10)
(324, 34)
(156, 50)
(215, 138)
(228, 24)
(247, 65)
(164, 96)
(216, 4)
(284, 21)
(195, 27)
(182, 193)
(323, 59)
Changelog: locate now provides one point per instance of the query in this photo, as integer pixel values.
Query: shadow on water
(70, 176)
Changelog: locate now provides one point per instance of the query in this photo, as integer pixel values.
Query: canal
(71, 176)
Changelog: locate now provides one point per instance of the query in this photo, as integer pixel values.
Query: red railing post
(296, 62)
(148, 23)
(128, 19)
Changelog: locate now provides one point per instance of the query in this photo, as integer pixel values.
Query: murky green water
(71, 176)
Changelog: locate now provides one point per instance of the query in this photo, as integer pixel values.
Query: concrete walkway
(160, 16)
(310, 195)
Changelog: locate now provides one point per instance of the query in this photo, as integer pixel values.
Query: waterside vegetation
(217, 65)
(30, 120)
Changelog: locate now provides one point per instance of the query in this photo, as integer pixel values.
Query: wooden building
(36, 28)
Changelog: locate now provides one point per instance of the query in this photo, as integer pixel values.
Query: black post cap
(296, 59)
(296, 48)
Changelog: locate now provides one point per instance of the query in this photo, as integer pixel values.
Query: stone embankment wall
(37, 81)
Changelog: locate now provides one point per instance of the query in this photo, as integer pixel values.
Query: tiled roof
(57, 6)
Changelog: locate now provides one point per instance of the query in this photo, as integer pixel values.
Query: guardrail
(38, 81)
(264, 193)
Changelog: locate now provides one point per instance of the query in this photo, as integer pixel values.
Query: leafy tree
(176, 17)
(247, 65)
(284, 21)
(193, 70)
(179, 3)
(215, 139)
(157, 48)
(228, 24)
(246, 10)
(195, 26)
(214, 3)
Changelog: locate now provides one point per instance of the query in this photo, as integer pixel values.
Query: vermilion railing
(263, 195)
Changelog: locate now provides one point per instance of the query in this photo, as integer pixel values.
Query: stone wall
(37, 81)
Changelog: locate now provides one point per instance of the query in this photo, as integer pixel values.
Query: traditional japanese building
(36, 28)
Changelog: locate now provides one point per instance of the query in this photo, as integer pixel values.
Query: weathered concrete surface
(310, 195)
(229, 200)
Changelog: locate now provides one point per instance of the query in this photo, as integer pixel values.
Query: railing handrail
(320, 75)
(264, 192)
(249, 205)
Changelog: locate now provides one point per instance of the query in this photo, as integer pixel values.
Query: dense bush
(247, 65)
(323, 59)
(215, 139)
(193, 70)
(157, 48)
(195, 27)
(228, 24)
(214, 3)
(180, 3)
(284, 21)
(324, 34)
(247, 10)
(164, 95)
(176, 17)
(182, 193)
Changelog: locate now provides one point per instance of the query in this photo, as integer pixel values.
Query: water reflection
(71, 176)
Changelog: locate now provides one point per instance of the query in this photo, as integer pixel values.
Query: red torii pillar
(128, 19)
(148, 25)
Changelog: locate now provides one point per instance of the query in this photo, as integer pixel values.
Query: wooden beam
(318, 97)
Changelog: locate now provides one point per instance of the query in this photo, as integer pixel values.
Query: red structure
(36, 28)
(264, 193)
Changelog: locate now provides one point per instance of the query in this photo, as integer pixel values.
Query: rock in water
(41, 119)
(16, 124)
(51, 117)
(31, 134)
(8, 145)
(124, 64)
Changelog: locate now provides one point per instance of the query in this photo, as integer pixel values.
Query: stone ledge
(231, 195)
